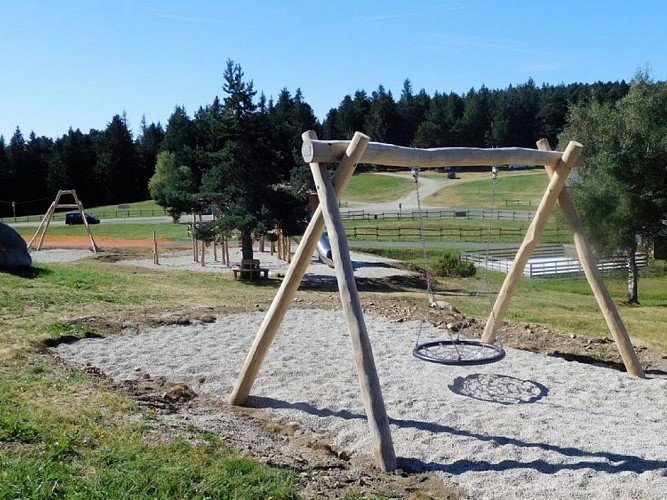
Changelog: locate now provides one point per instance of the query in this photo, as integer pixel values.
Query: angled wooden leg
(369, 383)
(42, 227)
(530, 241)
(589, 265)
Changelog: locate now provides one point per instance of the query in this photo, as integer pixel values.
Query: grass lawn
(135, 206)
(514, 191)
(374, 188)
(168, 231)
(563, 304)
(458, 229)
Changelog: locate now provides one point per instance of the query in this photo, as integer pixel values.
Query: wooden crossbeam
(399, 156)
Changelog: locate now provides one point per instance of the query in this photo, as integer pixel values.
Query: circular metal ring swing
(459, 352)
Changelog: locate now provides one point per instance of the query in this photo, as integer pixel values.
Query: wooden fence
(447, 234)
(434, 213)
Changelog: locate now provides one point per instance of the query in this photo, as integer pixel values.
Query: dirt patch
(106, 243)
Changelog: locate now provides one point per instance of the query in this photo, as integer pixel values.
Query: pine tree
(246, 174)
(117, 163)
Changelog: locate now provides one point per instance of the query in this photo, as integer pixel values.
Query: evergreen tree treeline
(113, 166)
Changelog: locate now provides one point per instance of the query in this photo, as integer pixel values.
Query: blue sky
(77, 63)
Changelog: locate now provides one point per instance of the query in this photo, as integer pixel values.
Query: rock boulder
(13, 250)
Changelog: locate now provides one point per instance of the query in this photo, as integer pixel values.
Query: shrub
(450, 265)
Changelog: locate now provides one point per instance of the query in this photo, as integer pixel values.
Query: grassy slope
(375, 188)
(514, 191)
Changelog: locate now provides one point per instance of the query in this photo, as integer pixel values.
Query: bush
(450, 265)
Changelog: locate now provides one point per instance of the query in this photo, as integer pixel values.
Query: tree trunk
(633, 277)
(246, 245)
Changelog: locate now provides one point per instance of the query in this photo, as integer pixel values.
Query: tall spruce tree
(148, 145)
(72, 165)
(245, 178)
(6, 174)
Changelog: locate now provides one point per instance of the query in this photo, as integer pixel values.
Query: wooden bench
(250, 269)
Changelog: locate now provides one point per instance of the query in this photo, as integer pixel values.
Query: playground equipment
(324, 250)
(455, 349)
(46, 221)
(348, 153)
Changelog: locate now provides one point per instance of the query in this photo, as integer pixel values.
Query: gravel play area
(529, 426)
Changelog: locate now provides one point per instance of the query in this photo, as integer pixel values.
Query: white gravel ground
(365, 265)
(59, 255)
(529, 426)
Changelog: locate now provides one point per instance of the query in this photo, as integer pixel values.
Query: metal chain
(427, 276)
(485, 286)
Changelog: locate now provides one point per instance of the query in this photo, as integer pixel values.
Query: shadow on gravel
(607, 462)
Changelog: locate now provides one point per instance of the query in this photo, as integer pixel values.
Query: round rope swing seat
(458, 352)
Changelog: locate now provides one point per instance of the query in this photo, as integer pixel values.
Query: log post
(156, 257)
(42, 227)
(383, 446)
(600, 291)
(369, 383)
(377, 153)
(532, 237)
(226, 243)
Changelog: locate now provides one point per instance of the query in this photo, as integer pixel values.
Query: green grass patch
(376, 188)
(454, 229)
(563, 304)
(64, 434)
(132, 207)
(514, 191)
(55, 286)
(123, 466)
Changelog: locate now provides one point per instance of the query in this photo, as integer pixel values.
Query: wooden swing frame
(360, 150)
(48, 217)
